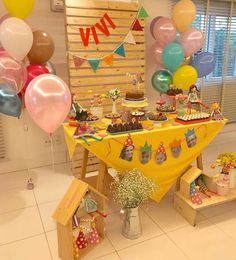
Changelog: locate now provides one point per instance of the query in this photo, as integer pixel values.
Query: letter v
(84, 38)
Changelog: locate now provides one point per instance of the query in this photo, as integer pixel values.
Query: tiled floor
(27, 231)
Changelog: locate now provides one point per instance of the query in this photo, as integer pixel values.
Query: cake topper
(128, 149)
(145, 153)
(191, 138)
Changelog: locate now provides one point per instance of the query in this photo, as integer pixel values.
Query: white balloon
(16, 37)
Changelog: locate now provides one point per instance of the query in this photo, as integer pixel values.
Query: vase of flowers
(181, 103)
(227, 163)
(130, 190)
(113, 94)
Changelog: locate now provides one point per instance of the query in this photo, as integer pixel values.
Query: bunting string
(120, 48)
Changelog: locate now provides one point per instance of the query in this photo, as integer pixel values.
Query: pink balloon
(156, 51)
(12, 72)
(191, 41)
(164, 31)
(48, 100)
(3, 52)
(34, 70)
(153, 22)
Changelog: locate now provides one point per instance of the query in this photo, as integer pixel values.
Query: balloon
(4, 17)
(16, 37)
(164, 31)
(51, 68)
(183, 14)
(3, 52)
(48, 100)
(19, 8)
(191, 41)
(42, 48)
(161, 81)
(204, 63)
(12, 72)
(184, 77)
(34, 70)
(173, 56)
(10, 103)
(153, 22)
(156, 52)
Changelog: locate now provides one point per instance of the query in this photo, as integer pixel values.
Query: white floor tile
(227, 223)
(113, 256)
(46, 212)
(103, 248)
(205, 242)
(156, 248)
(34, 248)
(20, 224)
(14, 199)
(114, 225)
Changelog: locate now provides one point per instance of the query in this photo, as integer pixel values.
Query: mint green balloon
(173, 56)
(161, 80)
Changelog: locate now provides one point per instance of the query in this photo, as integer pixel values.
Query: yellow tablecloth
(164, 174)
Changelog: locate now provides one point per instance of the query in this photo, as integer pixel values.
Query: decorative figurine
(216, 112)
(194, 99)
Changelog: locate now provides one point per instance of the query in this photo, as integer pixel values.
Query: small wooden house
(66, 210)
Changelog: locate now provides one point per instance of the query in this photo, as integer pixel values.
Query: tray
(126, 132)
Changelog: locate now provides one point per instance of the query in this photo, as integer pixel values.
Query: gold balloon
(183, 14)
(19, 8)
(42, 48)
(185, 76)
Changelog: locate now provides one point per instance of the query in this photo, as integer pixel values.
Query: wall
(28, 147)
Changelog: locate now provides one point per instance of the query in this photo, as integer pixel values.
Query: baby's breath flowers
(132, 188)
(113, 94)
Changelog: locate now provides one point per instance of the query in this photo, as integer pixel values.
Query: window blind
(217, 20)
(2, 145)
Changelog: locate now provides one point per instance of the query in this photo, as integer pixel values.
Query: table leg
(84, 164)
(101, 176)
(199, 162)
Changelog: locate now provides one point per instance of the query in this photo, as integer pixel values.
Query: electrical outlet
(47, 141)
(57, 140)
(57, 5)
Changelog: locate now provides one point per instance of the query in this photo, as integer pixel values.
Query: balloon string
(26, 137)
(52, 153)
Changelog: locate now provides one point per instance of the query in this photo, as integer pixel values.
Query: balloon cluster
(46, 96)
(176, 43)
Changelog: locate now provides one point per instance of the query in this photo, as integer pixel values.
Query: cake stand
(134, 104)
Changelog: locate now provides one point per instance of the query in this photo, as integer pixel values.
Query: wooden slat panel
(72, 38)
(106, 71)
(100, 13)
(87, 22)
(120, 64)
(106, 47)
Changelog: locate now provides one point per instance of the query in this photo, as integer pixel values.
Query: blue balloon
(10, 103)
(204, 63)
(173, 56)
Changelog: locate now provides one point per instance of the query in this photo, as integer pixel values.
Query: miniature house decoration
(81, 206)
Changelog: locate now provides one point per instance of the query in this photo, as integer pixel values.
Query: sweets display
(174, 91)
(193, 118)
(157, 117)
(165, 108)
(124, 127)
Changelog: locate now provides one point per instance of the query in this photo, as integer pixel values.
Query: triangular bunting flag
(142, 13)
(130, 38)
(94, 63)
(78, 61)
(137, 26)
(120, 50)
(109, 59)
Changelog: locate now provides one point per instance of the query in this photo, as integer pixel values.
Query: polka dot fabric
(94, 237)
(81, 241)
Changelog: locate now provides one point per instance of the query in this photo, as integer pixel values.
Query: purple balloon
(153, 24)
(204, 63)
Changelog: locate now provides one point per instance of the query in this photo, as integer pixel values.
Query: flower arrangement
(227, 159)
(113, 94)
(132, 188)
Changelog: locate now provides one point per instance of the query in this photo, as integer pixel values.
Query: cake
(134, 95)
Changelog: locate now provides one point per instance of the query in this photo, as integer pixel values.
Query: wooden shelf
(207, 202)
